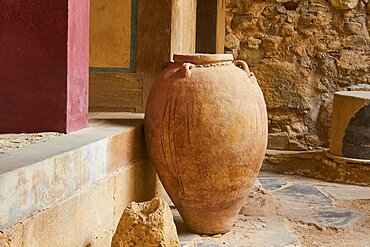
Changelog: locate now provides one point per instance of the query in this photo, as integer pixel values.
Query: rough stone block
(344, 4)
(279, 141)
(147, 224)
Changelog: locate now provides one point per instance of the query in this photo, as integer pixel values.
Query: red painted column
(43, 65)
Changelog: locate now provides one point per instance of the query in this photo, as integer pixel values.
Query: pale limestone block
(74, 222)
(104, 240)
(88, 218)
(133, 183)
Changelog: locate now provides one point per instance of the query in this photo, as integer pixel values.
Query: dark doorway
(356, 142)
(210, 26)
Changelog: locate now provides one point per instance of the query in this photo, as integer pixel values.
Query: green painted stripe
(100, 69)
(133, 48)
(133, 52)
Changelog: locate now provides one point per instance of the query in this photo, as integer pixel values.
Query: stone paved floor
(285, 210)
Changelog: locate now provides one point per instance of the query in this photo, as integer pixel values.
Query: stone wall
(301, 51)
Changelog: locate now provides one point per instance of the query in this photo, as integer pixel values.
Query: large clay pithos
(206, 132)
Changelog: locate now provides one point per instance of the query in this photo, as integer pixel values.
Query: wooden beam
(114, 91)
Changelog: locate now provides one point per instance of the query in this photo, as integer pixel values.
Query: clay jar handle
(243, 65)
(186, 67)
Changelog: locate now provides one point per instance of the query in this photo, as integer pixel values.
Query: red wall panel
(40, 72)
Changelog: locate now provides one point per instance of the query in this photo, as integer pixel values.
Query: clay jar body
(206, 132)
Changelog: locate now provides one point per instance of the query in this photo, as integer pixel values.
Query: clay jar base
(206, 221)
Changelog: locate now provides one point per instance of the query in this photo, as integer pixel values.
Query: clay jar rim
(200, 58)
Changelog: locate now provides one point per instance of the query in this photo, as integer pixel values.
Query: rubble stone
(301, 52)
(344, 4)
(147, 224)
(279, 141)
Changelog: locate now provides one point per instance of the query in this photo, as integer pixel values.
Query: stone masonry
(301, 51)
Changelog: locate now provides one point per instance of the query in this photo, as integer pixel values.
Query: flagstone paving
(286, 210)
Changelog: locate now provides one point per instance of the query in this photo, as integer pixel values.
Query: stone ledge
(89, 217)
(316, 164)
(41, 175)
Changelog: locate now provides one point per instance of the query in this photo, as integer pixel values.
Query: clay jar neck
(202, 59)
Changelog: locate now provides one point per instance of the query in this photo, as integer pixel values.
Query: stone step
(73, 188)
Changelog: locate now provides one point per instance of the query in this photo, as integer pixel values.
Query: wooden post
(210, 26)
(220, 30)
(169, 28)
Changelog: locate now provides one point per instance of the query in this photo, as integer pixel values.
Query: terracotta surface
(206, 132)
(44, 65)
(347, 105)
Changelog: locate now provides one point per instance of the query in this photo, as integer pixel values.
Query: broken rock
(147, 224)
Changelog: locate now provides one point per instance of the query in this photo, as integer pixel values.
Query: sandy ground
(13, 141)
